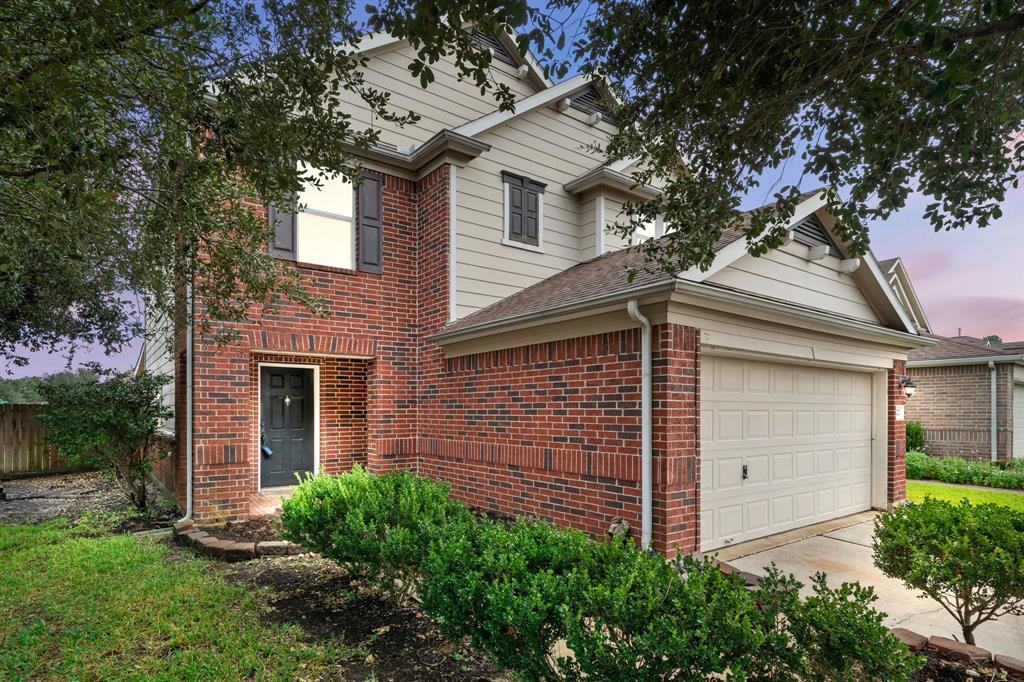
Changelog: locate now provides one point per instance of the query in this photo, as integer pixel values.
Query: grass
(119, 608)
(918, 490)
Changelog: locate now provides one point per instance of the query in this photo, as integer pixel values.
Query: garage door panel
(802, 433)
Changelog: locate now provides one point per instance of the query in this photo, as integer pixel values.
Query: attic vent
(589, 102)
(501, 53)
(811, 232)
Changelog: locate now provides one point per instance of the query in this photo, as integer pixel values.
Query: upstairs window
(524, 211)
(324, 231)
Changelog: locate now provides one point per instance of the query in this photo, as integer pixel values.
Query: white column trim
(599, 224)
(452, 235)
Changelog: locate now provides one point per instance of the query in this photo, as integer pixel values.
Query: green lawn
(918, 490)
(119, 608)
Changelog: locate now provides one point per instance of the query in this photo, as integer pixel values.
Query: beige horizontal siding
(547, 146)
(786, 275)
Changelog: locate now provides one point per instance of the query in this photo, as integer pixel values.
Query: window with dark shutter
(282, 245)
(371, 251)
(524, 211)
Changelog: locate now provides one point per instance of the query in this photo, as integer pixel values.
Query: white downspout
(188, 408)
(646, 423)
(994, 416)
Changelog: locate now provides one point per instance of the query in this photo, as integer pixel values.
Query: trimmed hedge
(550, 603)
(921, 466)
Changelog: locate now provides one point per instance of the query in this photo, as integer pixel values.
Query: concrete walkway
(843, 551)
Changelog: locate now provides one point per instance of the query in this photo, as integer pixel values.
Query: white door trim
(259, 412)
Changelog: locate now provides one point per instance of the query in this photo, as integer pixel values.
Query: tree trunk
(969, 634)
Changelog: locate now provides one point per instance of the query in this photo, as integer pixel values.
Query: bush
(378, 527)
(109, 420)
(835, 634)
(955, 470)
(523, 592)
(966, 557)
(915, 436)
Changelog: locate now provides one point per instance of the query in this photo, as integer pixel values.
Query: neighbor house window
(324, 229)
(524, 210)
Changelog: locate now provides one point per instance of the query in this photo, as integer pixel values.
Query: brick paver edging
(208, 544)
(952, 650)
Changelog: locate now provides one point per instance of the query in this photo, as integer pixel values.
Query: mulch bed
(72, 496)
(937, 670)
(382, 639)
(258, 529)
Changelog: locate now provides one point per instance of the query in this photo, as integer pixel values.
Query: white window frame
(300, 209)
(506, 240)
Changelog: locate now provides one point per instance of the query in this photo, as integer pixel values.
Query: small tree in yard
(109, 422)
(969, 558)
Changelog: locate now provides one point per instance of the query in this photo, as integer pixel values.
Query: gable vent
(589, 102)
(498, 49)
(811, 232)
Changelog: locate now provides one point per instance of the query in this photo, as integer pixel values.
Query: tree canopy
(134, 133)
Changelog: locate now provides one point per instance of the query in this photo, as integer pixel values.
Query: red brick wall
(953, 405)
(896, 485)
(372, 317)
(550, 429)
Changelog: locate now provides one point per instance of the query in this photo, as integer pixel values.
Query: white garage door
(1018, 420)
(782, 446)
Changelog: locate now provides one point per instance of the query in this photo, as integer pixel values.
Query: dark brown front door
(286, 424)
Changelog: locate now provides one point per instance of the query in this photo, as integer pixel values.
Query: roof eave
(442, 142)
(507, 324)
(603, 176)
(980, 360)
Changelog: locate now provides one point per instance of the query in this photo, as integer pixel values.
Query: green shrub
(834, 634)
(378, 527)
(507, 588)
(967, 557)
(109, 421)
(955, 470)
(915, 436)
(637, 616)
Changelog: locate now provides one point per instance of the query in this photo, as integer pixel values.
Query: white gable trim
(374, 41)
(890, 295)
(733, 252)
(621, 165)
(899, 277)
(540, 99)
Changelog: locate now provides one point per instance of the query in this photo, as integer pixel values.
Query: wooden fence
(23, 446)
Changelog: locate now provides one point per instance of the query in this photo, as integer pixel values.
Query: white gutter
(188, 408)
(646, 423)
(984, 360)
(994, 414)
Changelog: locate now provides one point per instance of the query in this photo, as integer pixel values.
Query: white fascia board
(621, 165)
(890, 294)
(908, 288)
(952, 362)
(733, 252)
(540, 99)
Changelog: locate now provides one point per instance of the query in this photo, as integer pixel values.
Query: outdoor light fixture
(908, 386)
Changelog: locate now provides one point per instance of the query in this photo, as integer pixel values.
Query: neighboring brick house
(969, 398)
(483, 330)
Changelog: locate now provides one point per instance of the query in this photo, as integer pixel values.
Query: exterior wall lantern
(908, 386)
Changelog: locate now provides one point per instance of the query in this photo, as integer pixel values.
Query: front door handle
(264, 448)
(745, 475)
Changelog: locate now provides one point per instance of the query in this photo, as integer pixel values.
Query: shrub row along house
(483, 331)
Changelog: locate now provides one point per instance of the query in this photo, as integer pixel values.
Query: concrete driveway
(842, 549)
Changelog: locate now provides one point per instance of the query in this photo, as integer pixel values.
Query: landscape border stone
(205, 542)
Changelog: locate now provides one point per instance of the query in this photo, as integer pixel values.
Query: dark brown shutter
(283, 243)
(371, 238)
(524, 197)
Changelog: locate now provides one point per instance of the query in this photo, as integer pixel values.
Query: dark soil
(75, 495)
(381, 639)
(937, 670)
(258, 529)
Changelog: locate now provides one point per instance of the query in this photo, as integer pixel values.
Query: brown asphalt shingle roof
(593, 279)
(951, 349)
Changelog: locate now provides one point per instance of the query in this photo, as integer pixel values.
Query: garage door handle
(745, 476)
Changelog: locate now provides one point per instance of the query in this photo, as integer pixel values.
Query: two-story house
(483, 331)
